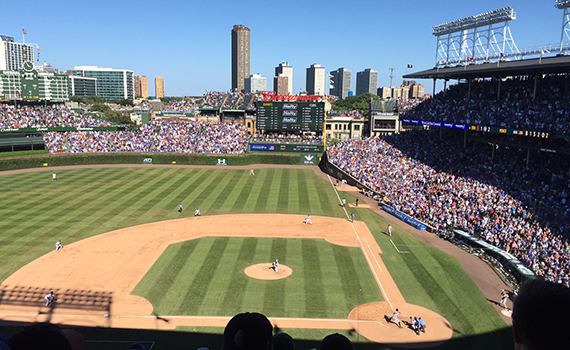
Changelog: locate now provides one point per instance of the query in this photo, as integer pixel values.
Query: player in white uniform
(251, 172)
(49, 298)
(275, 264)
(197, 213)
(308, 220)
(389, 230)
(58, 245)
(53, 177)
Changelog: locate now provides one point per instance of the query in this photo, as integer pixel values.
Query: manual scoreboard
(290, 116)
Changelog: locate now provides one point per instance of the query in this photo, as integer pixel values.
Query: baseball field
(132, 266)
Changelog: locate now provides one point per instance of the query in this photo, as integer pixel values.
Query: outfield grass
(37, 211)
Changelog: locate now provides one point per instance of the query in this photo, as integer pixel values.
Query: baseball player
(356, 204)
(49, 298)
(394, 319)
(251, 172)
(308, 220)
(275, 264)
(53, 177)
(504, 298)
(389, 230)
(58, 245)
(180, 208)
(344, 202)
(197, 213)
(352, 217)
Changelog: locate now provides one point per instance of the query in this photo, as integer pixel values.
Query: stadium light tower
(478, 38)
(565, 36)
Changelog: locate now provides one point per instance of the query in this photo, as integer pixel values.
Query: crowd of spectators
(181, 106)
(509, 104)
(214, 98)
(404, 105)
(458, 192)
(232, 100)
(351, 114)
(157, 136)
(57, 115)
(287, 138)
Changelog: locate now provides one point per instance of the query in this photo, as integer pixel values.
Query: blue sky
(189, 42)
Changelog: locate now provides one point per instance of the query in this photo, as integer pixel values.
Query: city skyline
(195, 55)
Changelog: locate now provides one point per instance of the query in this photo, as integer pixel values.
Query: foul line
(362, 247)
(398, 250)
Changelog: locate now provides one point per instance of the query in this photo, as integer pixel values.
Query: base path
(114, 263)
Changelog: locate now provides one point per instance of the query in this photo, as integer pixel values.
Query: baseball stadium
(169, 228)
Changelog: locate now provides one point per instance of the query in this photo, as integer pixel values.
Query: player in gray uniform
(58, 245)
(49, 298)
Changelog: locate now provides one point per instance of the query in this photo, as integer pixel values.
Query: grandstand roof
(544, 65)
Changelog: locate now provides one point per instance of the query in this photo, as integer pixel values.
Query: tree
(355, 103)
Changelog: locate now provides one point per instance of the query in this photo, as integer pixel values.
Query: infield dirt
(116, 261)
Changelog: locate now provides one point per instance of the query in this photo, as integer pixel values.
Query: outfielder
(58, 245)
(53, 177)
(251, 172)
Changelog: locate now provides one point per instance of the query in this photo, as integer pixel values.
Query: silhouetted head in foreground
(248, 331)
(540, 316)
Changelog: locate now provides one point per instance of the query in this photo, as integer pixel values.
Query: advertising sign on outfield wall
(309, 159)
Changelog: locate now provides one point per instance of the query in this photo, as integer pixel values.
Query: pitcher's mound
(265, 272)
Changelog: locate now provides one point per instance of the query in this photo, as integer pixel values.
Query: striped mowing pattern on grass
(205, 277)
(327, 279)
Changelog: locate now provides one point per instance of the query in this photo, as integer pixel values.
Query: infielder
(251, 172)
(58, 245)
(49, 298)
(197, 213)
(308, 220)
(275, 264)
(53, 177)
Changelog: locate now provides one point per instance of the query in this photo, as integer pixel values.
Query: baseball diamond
(161, 269)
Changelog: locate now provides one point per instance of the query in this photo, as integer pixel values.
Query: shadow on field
(63, 298)
(120, 339)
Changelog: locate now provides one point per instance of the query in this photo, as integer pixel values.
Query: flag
(469, 58)
(24, 31)
(410, 66)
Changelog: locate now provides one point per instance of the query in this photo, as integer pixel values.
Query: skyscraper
(281, 84)
(287, 70)
(159, 87)
(144, 86)
(316, 80)
(13, 55)
(240, 56)
(255, 83)
(340, 82)
(367, 81)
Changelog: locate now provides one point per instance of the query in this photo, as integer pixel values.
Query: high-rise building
(287, 70)
(144, 86)
(316, 80)
(111, 83)
(240, 56)
(137, 86)
(159, 87)
(13, 55)
(341, 81)
(82, 86)
(417, 91)
(384, 92)
(281, 84)
(366, 81)
(255, 83)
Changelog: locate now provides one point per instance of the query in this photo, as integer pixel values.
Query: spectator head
(248, 331)
(336, 342)
(283, 341)
(540, 315)
(46, 336)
